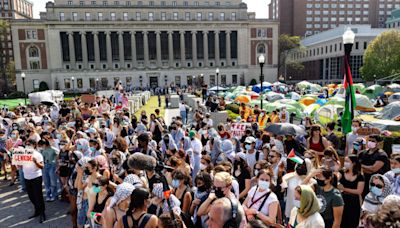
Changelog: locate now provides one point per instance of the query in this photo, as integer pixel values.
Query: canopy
(328, 113)
(266, 86)
(390, 111)
(243, 99)
(373, 91)
(217, 88)
(273, 96)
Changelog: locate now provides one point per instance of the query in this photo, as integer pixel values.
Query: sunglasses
(376, 185)
(271, 156)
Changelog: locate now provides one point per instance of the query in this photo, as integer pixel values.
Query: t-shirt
(50, 155)
(327, 201)
(265, 208)
(251, 159)
(351, 137)
(197, 146)
(31, 171)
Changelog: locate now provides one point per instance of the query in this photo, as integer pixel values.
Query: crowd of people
(87, 155)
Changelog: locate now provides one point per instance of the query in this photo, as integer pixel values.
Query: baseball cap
(91, 131)
(250, 140)
(192, 133)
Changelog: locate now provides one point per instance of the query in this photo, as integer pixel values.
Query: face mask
(321, 182)
(296, 203)
(175, 183)
(88, 172)
(96, 189)
(371, 145)
(376, 191)
(219, 193)
(115, 161)
(13, 136)
(301, 170)
(15, 128)
(347, 165)
(256, 172)
(247, 146)
(79, 147)
(356, 147)
(201, 188)
(202, 166)
(93, 149)
(263, 184)
(396, 170)
(355, 129)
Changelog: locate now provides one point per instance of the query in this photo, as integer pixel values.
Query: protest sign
(21, 156)
(238, 129)
(396, 149)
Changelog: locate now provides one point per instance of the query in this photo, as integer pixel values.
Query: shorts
(82, 218)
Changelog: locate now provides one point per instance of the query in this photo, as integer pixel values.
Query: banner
(238, 129)
(22, 156)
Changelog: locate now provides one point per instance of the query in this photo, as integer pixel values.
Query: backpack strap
(263, 202)
(145, 220)
(125, 221)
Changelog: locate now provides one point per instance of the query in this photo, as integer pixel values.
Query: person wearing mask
(116, 163)
(168, 146)
(203, 183)
(386, 215)
(373, 160)
(97, 200)
(331, 159)
(136, 215)
(331, 136)
(331, 200)
(351, 184)
(117, 205)
(143, 144)
(242, 174)
(14, 142)
(63, 169)
(261, 203)
(83, 146)
(252, 155)
(104, 168)
(223, 133)
(352, 136)
(181, 188)
(197, 148)
(75, 159)
(358, 145)
(177, 132)
(394, 174)
(316, 141)
(95, 148)
(310, 154)
(156, 128)
(49, 172)
(379, 188)
(33, 181)
(306, 214)
(291, 180)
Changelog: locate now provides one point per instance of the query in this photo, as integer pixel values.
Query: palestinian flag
(292, 156)
(350, 102)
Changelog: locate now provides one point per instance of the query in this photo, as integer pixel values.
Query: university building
(81, 45)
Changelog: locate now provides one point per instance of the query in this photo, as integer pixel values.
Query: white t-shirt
(31, 171)
(197, 146)
(251, 159)
(265, 208)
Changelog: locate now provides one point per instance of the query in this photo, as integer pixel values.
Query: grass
(12, 103)
(151, 105)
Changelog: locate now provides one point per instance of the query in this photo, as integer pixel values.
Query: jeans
(22, 179)
(183, 115)
(50, 181)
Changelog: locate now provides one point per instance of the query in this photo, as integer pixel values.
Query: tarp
(394, 87)
(266, 86)
(49, 95)
(273, 96)
(390, 111)
(388, 125)
(305, 85)
(308, 100)
(291, 102)
(243, 99)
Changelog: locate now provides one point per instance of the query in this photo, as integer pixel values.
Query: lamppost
(290, 79)
(374, 79)
(194, 83)
(217, 72)
(348, 114)
(97, 84)
(261, 61)
(23, 84)
(73, 85)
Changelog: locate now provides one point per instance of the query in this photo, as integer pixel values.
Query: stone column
(121, 49)
(228, 48)
(158, 48)
(205, 45)
(96, 49)
(71, 44)
(170, 49)
(194, 48)
(217, 60)
(146, 48)
(182, 39)
(109, 51)
(133, 46)
(84, 50)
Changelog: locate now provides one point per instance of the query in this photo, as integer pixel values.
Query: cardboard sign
(238, 129)
(396, 149)
(22, 156)
(368, 131)
(89, 99)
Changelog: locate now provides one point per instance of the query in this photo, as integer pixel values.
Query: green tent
(291, 102)
(373, 91)
(328, 113)
(335, 101)
(310, 110)
(269, 107)
(359, 86)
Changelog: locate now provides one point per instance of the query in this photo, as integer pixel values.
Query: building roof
(332, 34)
(395, 16)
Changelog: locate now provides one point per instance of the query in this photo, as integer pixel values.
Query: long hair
(356, 164)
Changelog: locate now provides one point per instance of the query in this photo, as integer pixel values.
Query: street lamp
(261, 61)
(73, 85)
(374, 79)
(97, 84)
(23, 84)
(348, 41)
(217, 72)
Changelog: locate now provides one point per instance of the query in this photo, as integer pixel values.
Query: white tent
(217, 88)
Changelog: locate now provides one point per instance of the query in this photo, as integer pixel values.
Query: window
(317, 19)
(74, 16)
(222, 16)
(139, 3)
(100, 16)
(67, 83)
(163, 3)
(196, 3)
(199, 16)
(309, 5)
(81, 3)
(309, 19)
(185, 3)
(325, 12)
(261, 49)
(175, 16)
(87, 16)
(33, 58)
(151, 16)
(33, 52)
(128, 3)
(174, 3)
(187, 16)
(356, 45)
(69, 2)
(112, 16)
(105, 3)
(138, 16)
(151, 3)
(62, 16)
(79, 83)
(233, 16)
(333, 12)
(210, 16)
(126, 16)
(365, 45)
(163, 16)
(116, 3)
(217, 3)
(93, 2)
(234, 79)
(308, 26)
(36, 84)
(325, 26)
(317, 12)
(309, 12)
(31, 34)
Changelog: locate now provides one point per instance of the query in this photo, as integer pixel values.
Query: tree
(10, 74)
(287, 44)
(382, 57)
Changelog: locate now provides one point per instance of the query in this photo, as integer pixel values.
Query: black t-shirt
(333, 139)
(241, 179)
(154, 180)
(64, 112)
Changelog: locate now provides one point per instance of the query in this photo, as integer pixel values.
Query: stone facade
(158, 44)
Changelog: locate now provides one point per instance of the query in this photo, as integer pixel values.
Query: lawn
(151, 105)
(12, 103)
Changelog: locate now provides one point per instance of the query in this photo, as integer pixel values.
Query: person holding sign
(33, 180)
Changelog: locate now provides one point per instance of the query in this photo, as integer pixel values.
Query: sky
(260, 7)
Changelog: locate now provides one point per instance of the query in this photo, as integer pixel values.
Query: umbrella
(285, 129)
(243, 99)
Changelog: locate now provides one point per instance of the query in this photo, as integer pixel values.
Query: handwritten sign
(22, 156)
(368, 131)
(238, 129)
